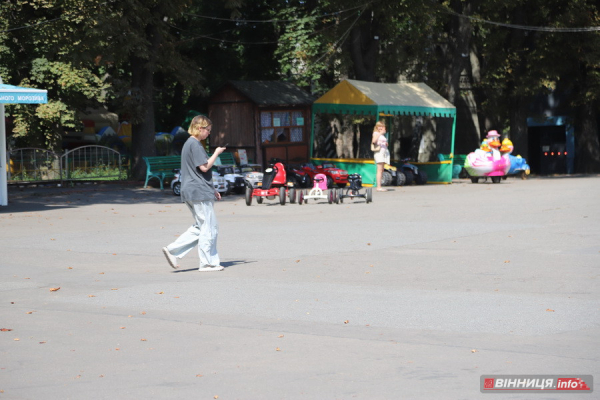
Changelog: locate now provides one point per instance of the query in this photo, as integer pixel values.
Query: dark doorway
(547, 150)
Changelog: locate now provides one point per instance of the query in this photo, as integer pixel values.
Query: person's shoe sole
(211, 268)
(170, 258)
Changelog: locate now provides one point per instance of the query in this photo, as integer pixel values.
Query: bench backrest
(167, 163)
(225, 158)
(163, 163)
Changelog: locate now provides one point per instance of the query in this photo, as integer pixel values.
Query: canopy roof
(373, 98)
(22, 95)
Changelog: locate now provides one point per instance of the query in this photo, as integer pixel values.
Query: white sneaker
(209, 268)
(170, 258)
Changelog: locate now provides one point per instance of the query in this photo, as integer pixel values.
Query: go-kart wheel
(410, 177)
(496, 179)
(386, 178)
(259, 199)
(282, 196)
(249, 196)
(400, 178)
(474, 179)
(369, 196)
(308, 181)
(421, 178)
(336, 197)
(341, 196)
(330, 196)
(301, 197)
(177, 188)
(292, 195)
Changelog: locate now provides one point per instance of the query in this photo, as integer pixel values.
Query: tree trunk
(519, 102)
(459, 50)
(142, 137)
(518, 125)
(363, 51)
(458, 56)
(587, 153)
(142, 133)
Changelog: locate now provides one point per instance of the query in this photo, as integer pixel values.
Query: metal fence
(33, 165)
(91, 163)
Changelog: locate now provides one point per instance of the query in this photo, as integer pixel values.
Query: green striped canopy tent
(386, 99)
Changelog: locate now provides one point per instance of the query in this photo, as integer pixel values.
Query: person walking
(379, 145)
(199, 194)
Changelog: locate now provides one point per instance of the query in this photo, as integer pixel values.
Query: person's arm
(376, 136)
(211, 161)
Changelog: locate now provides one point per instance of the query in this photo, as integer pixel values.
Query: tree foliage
(152, 61)
(67, 86)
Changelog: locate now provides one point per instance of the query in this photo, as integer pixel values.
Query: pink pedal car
(318, 191)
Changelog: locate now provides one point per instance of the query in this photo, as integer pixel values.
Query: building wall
(236, 122)
(233, 120)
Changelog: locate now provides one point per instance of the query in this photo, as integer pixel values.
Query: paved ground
(414, 296)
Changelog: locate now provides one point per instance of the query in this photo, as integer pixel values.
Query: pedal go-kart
(490, 160)
(318, 191)
(274, 185)
(353, 190)
(294, 174)
(518, 167)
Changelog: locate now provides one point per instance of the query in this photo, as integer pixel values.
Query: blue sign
(21, 95)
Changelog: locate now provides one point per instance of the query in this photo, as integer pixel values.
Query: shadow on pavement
(226, 264)
(30, 199)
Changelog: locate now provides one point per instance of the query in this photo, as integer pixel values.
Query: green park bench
(161, 168)
(227, 158)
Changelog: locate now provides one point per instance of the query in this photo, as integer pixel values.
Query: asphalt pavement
(413, 296)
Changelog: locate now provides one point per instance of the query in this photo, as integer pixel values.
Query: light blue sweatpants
(203, 233)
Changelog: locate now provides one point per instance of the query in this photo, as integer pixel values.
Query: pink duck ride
(491, 159)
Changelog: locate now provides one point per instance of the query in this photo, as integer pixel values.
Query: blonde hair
(378, 124)
(199, 121)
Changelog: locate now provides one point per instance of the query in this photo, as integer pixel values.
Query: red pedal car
(274, 185)
(335, 176)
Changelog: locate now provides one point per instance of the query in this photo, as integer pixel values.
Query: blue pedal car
(518, 167)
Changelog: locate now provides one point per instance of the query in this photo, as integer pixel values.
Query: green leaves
(69, 89)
